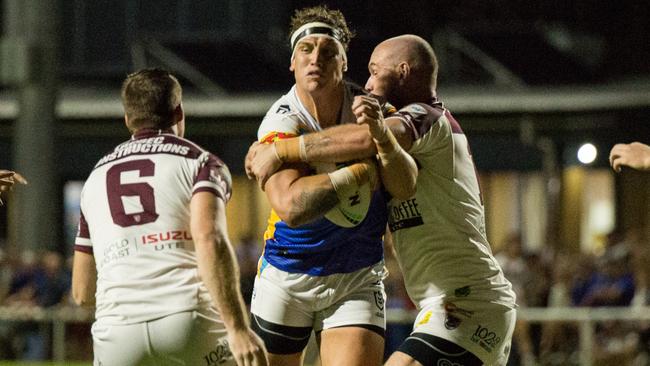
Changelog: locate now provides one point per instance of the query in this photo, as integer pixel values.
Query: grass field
(67, 363)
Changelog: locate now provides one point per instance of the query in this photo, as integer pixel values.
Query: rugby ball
(354, 201)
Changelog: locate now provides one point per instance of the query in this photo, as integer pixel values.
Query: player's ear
(404, 70)
(179, 114)
(292, 66)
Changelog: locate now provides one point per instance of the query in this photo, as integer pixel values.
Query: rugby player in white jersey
(152, 252)
(316, 275)
(466, 306)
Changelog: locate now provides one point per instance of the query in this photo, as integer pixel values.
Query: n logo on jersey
(355, 200)
(283, 109)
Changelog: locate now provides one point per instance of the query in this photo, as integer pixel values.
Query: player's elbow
(404, 192)
(291, 218)
(401, 190)
(286, 209)
(83, 297)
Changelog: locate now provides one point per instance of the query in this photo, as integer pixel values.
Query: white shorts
(187, 338)
(296, 300)
(483, 328)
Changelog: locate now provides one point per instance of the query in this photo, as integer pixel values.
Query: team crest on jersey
(283, 109)
(379, 300)
(216, 178)
(452, 322)
(415, 110)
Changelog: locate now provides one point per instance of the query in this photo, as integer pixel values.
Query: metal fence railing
(586, 319)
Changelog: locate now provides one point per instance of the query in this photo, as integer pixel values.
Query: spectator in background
(559, 339)
(584, 270)
(641, 266)
(47, 281)
(512, 261)
(635, 155)
(640, 251)
(613, 282)
(44, 284)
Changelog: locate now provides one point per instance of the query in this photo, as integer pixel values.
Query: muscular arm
(215, 257)
(84, 279)
(220, 273)
(339, 143)
(298, 198)
(397, 168)
(335, 144)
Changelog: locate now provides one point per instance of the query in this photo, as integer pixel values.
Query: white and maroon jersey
(135, 221)
(439, 233)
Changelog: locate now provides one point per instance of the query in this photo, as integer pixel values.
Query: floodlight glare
(587, 153)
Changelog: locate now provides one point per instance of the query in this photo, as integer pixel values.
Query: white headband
(318, 29)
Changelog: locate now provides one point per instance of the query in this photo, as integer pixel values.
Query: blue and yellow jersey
(321, 247)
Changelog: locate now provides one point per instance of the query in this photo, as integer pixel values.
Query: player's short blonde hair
(325, 15)
(150, 98)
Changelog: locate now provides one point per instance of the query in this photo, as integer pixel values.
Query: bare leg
(351, 346)
(294, 359)
(401, 359)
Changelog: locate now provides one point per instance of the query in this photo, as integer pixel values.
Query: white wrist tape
(342, 178)
(303, 150)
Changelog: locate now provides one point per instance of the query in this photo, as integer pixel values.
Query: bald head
(403, 70)
(416, 52)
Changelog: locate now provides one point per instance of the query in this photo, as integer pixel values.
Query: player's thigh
(119, 345)
(353, 325)
(357, 300)
(351, 345)
(282, 312)
(294, 359)
(190, 338)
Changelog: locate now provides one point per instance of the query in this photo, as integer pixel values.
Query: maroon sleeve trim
(84, 249)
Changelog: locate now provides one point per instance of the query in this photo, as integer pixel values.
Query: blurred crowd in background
(619, 276)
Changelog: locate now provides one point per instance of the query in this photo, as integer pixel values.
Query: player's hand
(635, 155)
(248, 161)
(368, 111)
(247, 348)
(261, 162)
(7, 180)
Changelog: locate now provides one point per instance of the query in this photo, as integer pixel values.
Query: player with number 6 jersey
(152, 250)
